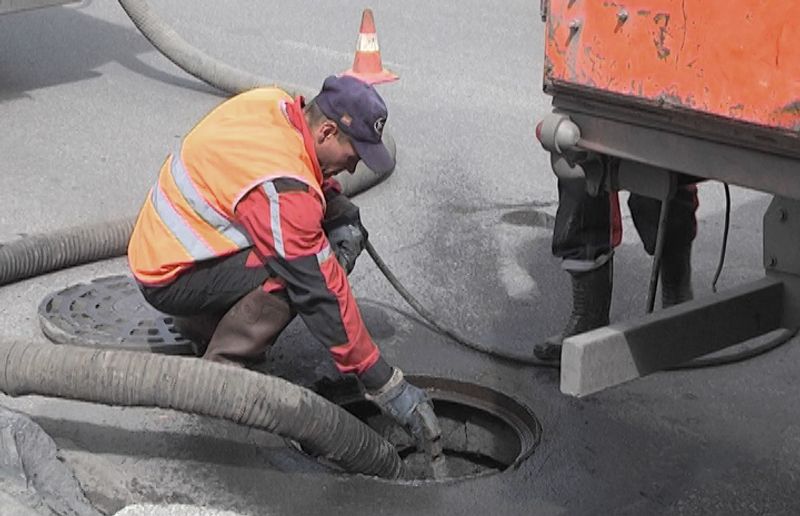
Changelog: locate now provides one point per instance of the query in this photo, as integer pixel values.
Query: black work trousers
(209, 287)
(582, 236)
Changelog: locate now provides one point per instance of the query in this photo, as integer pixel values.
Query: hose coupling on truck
(560, 136)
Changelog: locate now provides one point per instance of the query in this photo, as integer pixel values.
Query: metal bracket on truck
(647, 85)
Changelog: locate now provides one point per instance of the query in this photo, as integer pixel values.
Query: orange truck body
(734, 60)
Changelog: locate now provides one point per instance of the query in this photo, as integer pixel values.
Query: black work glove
(346, 234)
(411, 408)
(347, 243)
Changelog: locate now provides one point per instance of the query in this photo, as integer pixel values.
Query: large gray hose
(194, 62)
(190, 385)
(225, 77)
(124, 378)
(364, 178)
(40, 254)
(246, 397)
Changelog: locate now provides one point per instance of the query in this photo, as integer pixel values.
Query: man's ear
(326, 129)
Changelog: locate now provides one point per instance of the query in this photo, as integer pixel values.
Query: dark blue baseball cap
(360, 113)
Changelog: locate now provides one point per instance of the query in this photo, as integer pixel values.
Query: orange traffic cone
(367, 64)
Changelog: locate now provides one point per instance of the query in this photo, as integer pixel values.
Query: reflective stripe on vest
(197, 248)
(275, 223)
(324, 254)
(275, 217)
(206, 212)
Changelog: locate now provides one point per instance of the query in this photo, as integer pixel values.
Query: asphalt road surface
(90, 109)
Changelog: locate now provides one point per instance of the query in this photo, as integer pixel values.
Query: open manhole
(110, 312)
(483, 431)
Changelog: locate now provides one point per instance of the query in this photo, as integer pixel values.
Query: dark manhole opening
(483, 431)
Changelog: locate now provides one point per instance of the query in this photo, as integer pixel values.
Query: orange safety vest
(188, 215)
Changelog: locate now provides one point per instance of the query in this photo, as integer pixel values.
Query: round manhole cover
(483, 431)
(110, 313)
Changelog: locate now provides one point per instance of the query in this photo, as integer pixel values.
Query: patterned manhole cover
(110, 313)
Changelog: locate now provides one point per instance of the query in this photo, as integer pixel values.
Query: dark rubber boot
(676, 276)
(198, 328)
(591, 301)
(249, 328)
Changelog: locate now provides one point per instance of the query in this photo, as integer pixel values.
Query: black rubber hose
(659, 252)
(725, 230)
(129, 378)
(427, 316)
(777, 338)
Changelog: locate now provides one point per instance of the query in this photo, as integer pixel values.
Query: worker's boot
(591, 301)
(198, 329)
(676, 275)
(249, 328)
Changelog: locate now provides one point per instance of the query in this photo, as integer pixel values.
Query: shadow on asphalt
(203, 444)
(32, 59)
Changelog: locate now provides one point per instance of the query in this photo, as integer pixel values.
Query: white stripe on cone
(367, 42)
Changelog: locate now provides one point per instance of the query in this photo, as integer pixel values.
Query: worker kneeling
(246, 227)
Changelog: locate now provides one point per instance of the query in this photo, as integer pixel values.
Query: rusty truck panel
(735, 59)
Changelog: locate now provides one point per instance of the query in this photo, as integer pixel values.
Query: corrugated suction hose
(197, 386)
(230, 80)
(39, 254)
(194, 62)
(130, 378)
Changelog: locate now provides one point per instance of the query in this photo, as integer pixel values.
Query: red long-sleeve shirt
(284, 218)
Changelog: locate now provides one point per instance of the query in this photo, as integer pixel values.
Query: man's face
(335, 153)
